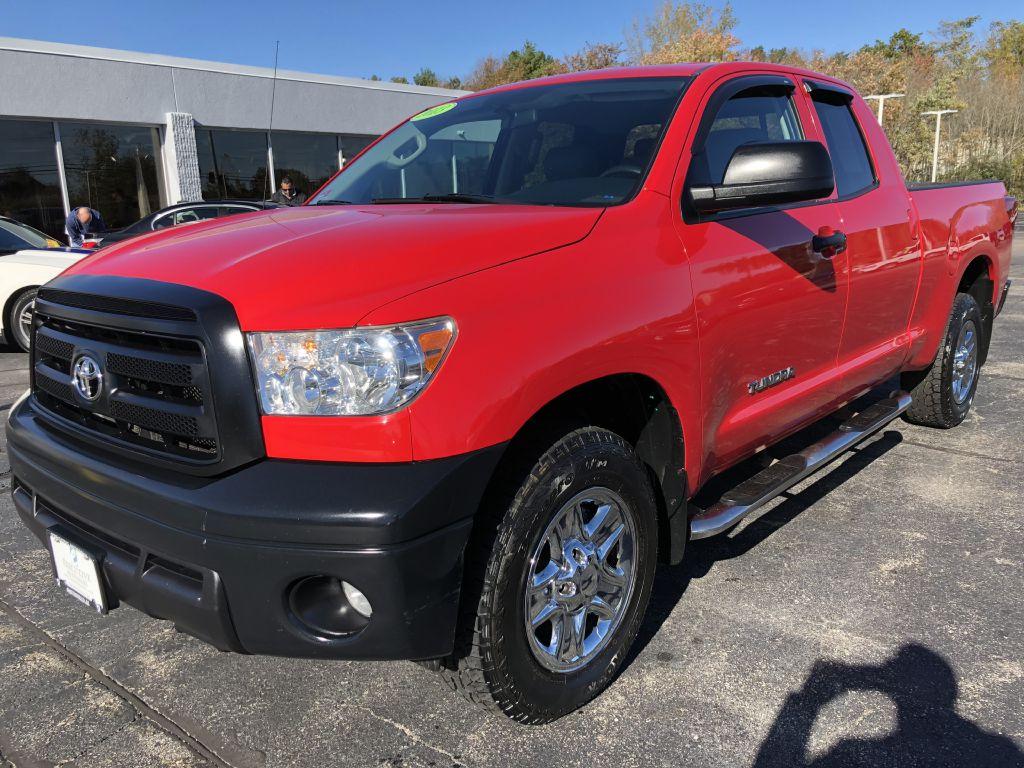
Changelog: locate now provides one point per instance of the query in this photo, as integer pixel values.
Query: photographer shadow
(929, 731)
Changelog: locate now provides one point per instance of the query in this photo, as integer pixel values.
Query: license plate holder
(77, 569)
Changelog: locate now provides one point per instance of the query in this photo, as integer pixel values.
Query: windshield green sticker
(440, 109)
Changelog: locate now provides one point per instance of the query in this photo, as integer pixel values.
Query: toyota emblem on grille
(87, 377)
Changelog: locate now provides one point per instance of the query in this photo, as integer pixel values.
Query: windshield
(585, 143)
(14, 236)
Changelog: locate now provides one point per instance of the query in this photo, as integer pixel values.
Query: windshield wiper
(333, 202)
(451, 197)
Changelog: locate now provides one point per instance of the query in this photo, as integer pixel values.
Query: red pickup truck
(457, 407)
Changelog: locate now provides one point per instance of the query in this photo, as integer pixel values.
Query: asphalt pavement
(872, 616)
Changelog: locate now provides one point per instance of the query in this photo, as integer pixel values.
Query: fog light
(328, 607)
(358, 599)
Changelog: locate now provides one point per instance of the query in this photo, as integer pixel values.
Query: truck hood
(311, 267)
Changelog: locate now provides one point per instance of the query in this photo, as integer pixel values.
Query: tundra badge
(771, 380)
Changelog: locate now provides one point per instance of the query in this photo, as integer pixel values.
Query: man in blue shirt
(82, 223)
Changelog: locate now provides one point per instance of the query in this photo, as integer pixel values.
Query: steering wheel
(622, 171)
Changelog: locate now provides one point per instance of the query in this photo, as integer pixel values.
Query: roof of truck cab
(611, 73)
(660, 70)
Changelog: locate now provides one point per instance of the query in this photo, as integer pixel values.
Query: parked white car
(28, 259)
(21, 274)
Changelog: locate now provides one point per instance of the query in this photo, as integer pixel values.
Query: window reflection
(308, 159)
(112, 169)
(233, 164)
(353, 145)
(29, 182)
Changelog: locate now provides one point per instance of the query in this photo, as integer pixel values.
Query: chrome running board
(758, 490)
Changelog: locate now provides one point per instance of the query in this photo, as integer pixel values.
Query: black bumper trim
(217, 555)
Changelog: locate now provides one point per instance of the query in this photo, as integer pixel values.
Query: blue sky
(392, 37)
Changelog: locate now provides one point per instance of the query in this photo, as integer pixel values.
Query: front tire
(18, 323)
(556, 590)
(942, 395)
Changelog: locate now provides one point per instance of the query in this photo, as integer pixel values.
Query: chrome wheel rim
(579, 580)
(23, 315)
(965, 361)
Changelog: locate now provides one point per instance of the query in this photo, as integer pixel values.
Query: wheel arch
(634, 406)
(978, 280)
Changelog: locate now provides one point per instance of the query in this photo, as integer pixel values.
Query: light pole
(881, 102)
(938, 127)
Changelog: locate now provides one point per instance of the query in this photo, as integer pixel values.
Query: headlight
(350, 372)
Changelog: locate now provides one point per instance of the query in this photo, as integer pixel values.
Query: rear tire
(944, 393)
(545, 552)
(18, 323)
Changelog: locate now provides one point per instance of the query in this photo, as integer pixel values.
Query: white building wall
(181, 159)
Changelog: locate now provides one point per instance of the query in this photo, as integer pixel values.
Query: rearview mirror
(772, 173)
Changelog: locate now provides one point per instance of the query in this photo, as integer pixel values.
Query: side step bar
(785, 473)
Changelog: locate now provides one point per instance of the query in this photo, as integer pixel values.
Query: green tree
(901, 44)
(1005, 45)
(526, 63)
(530, 62)
(400, 79)
(427, 77)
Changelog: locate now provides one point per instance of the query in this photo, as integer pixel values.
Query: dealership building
(129, 133)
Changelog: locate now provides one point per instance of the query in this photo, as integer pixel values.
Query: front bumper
(217, 556)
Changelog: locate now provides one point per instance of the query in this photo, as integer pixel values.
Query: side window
(192, 215)
(846, 145)
(231, 210)
(750, 117)
(185, 216)
(163, 222)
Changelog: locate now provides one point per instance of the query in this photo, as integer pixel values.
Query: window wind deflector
(828, 92)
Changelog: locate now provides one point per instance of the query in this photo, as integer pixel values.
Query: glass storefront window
(233, 164)
(112, 169)
(308, 159)
(353, 145)
(29, 181)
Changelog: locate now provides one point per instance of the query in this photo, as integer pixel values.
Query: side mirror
(772, 173)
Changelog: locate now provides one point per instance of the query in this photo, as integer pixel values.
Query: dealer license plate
(78, 572)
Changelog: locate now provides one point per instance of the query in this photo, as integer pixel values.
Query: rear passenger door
(882, 247)
(766, 303)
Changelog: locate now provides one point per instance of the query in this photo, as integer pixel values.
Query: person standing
(81, 223)
(288, 194)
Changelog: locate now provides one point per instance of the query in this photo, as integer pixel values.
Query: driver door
(770, 309)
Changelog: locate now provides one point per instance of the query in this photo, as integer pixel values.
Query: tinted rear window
(846, 145)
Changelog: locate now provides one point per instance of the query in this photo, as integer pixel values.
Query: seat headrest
(642, 150)
(572, 162)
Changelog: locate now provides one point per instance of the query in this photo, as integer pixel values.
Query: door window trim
(722, 94)
(837, 95)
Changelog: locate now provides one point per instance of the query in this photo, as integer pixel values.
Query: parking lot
(872, 616)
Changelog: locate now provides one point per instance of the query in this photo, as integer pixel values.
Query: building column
(181, 159)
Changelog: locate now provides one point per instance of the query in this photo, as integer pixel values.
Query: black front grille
(142, 368)
(155, 393)
(156, 420)
(56, 389)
